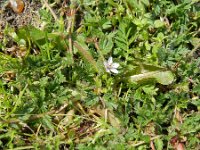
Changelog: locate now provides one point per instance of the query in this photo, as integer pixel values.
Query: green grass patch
(59, 88)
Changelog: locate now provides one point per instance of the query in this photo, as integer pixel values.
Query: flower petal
(105, 64)
(108, 70)
(114, 70)
(115, 65)
(109, 61)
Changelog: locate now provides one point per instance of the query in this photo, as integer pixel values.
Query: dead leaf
(180, 146)
(108, 115)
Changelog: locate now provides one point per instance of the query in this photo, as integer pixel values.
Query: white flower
(110, 66)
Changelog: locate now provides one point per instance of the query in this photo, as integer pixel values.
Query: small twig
(81, 108)
(70, 28)
(70, 44)
(38, 129)
(23, 147)
(143, 142)
(52, 12)
(38, 116)
(70, 37)
(61, 108)
(26, 126)
(152, 145)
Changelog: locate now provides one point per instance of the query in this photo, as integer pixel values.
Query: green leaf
(106, 25)
(36, 34)
(112, 3)
(159, 144)
(143, 72)
(158, 24)
(196, 89)
(162, 77)
(46, 120)
(105, 45)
